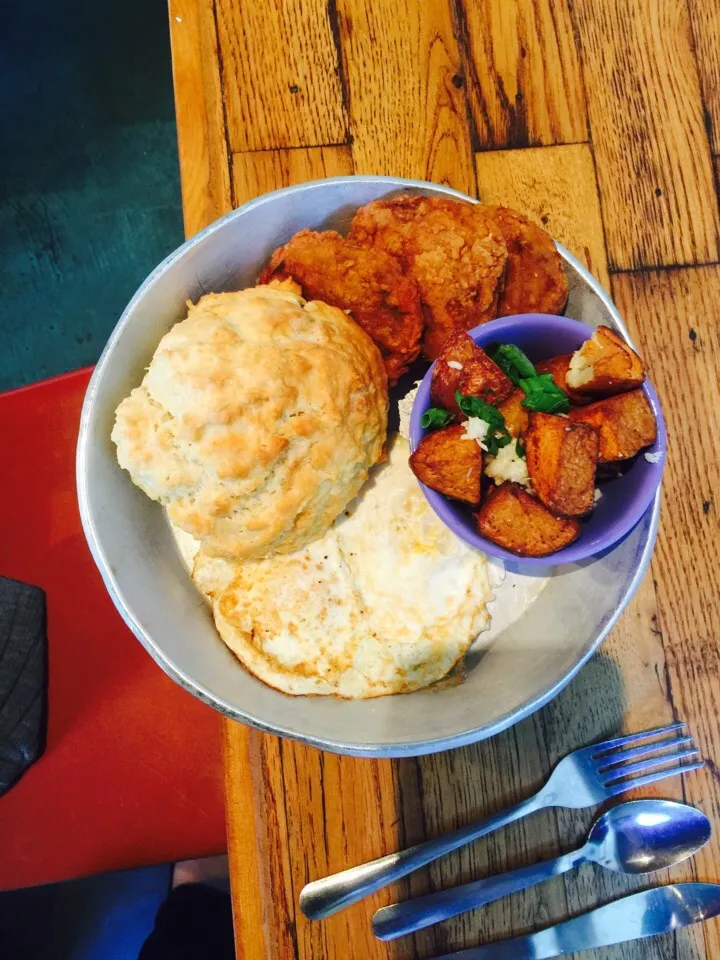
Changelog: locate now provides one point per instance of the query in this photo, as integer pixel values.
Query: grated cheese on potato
(508, 465)
(476, 429)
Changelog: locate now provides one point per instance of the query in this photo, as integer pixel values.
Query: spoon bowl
(641, 836)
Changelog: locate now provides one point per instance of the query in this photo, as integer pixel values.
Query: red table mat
(132, 773)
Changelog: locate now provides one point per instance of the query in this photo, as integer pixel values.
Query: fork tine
(614, 759)
(634, 782)
(622, 772)
(608, 745)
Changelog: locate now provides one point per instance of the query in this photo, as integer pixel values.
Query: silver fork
(584, 778)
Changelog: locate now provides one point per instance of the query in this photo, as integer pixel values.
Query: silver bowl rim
(200, 691)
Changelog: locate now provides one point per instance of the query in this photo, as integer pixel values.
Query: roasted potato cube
(561, 462)
(449, 463)
(515, 520)
(462, 365)
(558, 367)
(516, 416)
(625, 424)
(605, 365)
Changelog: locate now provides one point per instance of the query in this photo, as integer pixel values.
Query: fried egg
(388, 601)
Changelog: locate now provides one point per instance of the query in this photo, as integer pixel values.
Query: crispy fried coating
(515, 414)
(624, 422)
(453, 249)
(449, 463)
(516, 521)
(561, 458)
(558, 367)
(535, 280)
(605, 365)
(364, 280)
(462, 365)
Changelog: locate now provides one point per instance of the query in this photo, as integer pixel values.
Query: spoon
(639, 836)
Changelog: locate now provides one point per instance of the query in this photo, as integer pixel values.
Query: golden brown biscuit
(535, 281)
(454, 251)
(257, 420)
(364, 280)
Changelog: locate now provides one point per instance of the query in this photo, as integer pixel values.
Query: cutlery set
(634, 837)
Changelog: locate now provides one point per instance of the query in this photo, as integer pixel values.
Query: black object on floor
(23, 679)
(195, 921)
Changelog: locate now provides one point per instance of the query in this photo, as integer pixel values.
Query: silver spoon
(635, 837)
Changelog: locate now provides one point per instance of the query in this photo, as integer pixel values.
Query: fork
(587, 777)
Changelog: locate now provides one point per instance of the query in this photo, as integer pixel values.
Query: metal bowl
(522, 668)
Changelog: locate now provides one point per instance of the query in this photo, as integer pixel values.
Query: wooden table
(600, 118)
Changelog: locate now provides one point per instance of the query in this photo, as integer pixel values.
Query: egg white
(388, 601)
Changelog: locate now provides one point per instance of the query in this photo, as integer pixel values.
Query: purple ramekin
(623, 501)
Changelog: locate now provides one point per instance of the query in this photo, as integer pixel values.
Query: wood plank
(259, 853)
(674, 314)
(336, 811)
(705, 19)
(343, 811)
(204, 166)
(524, 76)
(624, 686)
(259, 172)
(648, 133)
(551, 185)
(280, 74)
(475, 781)
(408, 117)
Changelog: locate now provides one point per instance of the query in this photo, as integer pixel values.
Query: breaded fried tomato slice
(535, 281)
(453, 249)
(365, 281)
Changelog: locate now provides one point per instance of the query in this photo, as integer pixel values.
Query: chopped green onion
(495, 443)
(498, 435)
(541, 392)
(435, 417)
(513, 362)
(519, 447)
(542, 395)
(476, 407)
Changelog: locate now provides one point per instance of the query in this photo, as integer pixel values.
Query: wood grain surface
(703, 16)
(280, 73)
(202, 142)
(623, 98)
(524, 77)
(265, 170)
(648, 132)
(405, 90)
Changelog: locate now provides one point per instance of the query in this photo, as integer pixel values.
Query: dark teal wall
(89, 184)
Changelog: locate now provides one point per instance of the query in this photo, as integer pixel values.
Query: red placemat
(132, 773)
